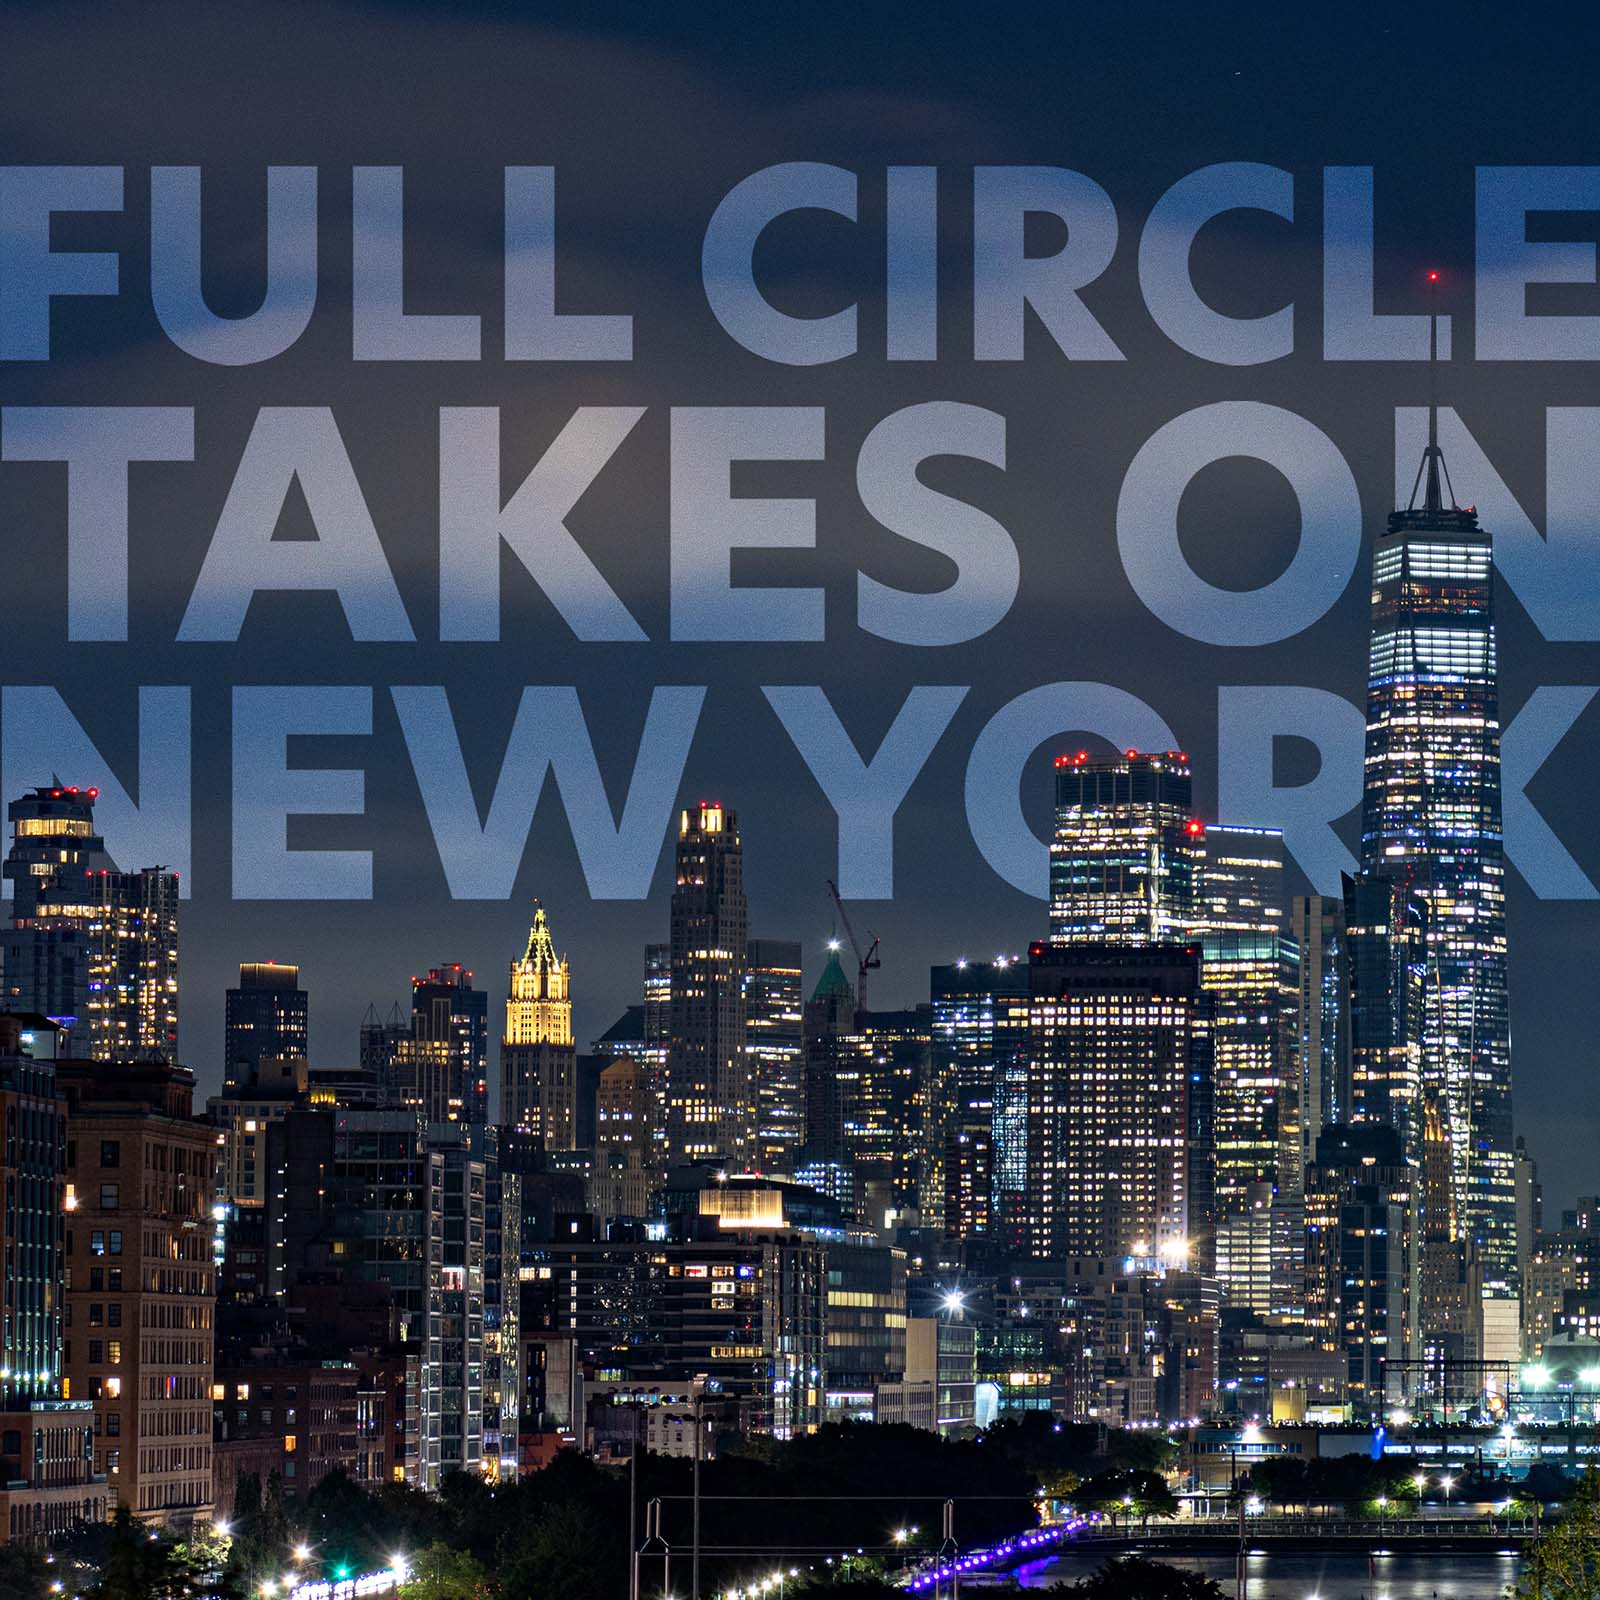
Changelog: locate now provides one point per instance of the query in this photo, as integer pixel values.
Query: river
(1318, 1577)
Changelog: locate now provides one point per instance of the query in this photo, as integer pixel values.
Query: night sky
(650, 117)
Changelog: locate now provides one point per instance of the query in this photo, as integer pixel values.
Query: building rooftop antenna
(1432, 465)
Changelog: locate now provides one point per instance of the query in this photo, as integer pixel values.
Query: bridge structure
(1503, 1534)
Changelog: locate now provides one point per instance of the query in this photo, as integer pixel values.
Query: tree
(1129, 1494)
(139, 1566)
(567, 1551)
(1563, 1563)
(23, 1572)
(440, 1573)
(1134, 1578)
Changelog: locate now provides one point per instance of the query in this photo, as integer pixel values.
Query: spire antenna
(1432, 466)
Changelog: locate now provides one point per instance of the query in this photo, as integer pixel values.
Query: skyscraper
(1250, 969)
(133, 964)
(1114, 1167)
(1431, 829)
(442, 1062)
(710, 1096)
(54, 852)
(773, 1043)
(831, 1049)
(90, 946)
(266, 1018)
(1119, 1047)
(538, 1059)
(1316, 923)
(1122, 860)
(1360, 1255)
(979, 1085)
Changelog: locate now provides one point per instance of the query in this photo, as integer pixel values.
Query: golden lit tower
(538, 1060)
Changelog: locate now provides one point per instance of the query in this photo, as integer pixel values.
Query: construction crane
(865, 962)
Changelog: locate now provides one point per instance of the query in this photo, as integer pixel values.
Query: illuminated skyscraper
(1360, 1256)
(710, 1107)
(54, 852)
(92, 947)
(1118, 1077)
(538, 1059)
(267, 1018)
(1122, 861)
(1114, 1165)
(1318, 927)
(772, 1040)
(441, 1063)
(832, 1048)
(1250, 969)
(979, 1089)
(1431, 830)
(133, 964)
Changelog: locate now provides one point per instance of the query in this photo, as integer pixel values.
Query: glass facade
(1122, 860)
(1431, 837)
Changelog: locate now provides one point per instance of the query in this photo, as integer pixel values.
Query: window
(110, 1196)
(115, 1245)
(97, 1351)
(97, 1316)
(110, 1152)
(114, 1314)
(114, 1352)
(113, 1425)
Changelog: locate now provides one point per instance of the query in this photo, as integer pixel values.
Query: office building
(1250, 970)
(1361, 1257)
(1431, 828)
(1114, 1057)
(710, 1100)
(978, 1094)
(267, 1018)
(1317, 925)
(438, 1063)
(538, 1059)
(772, 1010)
(1122, 858)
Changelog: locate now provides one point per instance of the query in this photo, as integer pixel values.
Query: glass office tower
(1431, 829)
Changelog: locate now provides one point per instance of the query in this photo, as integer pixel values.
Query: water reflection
(1314, 1577)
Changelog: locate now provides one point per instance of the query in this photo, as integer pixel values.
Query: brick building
(139, 1284)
